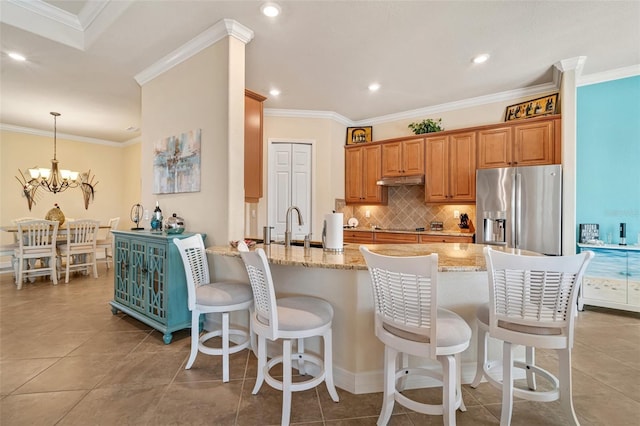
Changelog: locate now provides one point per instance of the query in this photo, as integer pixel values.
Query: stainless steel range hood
(401, 181)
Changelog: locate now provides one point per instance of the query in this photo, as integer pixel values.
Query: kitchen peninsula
(343, 280)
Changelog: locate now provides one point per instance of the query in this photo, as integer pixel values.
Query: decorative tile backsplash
(407, 210)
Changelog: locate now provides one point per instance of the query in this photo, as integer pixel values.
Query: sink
(300, 243)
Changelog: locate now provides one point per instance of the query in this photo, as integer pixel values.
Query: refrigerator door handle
(518, 209)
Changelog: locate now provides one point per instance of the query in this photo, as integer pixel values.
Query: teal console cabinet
(612, 279)
(149, 280)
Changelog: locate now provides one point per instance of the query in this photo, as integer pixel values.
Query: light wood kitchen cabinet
(362, 237)
(450, 175)
(403, 158)
(395, 238)
(253, 112)
(445, 239)
(528, 143)
(362, 171)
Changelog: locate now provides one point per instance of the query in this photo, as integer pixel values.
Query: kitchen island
(343, 280)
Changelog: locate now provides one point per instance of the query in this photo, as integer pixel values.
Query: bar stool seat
(408, 322)
(532, 303)
(206, 297)
(287, 319)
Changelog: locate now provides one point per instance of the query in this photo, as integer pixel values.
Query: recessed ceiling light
(17, 56)
(274, 92)
(481, 58)
(374, 87)
(270, 9)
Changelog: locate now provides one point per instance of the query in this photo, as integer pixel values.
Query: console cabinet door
(253, 114)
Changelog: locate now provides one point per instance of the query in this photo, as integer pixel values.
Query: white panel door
(289, 185)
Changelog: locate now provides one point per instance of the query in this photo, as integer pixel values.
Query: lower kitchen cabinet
(362, 237)
(612, 279)
(445, 239)
(395, 238)
(149, 280)
(381, 237)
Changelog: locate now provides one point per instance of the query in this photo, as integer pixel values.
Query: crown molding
(302, 113)
(220, 30)
(616, 74)
(50, 12)
(571, 64)
(47, 133)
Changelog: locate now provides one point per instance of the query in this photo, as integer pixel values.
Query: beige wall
(116, 184)
(328, 163)
(207, 92)
(490, 113)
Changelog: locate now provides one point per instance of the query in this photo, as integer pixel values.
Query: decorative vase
(55, 214)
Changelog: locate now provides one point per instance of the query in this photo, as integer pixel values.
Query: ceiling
(83, 56)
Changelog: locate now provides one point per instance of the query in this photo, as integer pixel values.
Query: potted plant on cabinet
(426, 126)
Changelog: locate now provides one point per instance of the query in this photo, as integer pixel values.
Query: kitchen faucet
(287, 231)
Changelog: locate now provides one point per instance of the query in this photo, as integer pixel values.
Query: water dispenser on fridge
(493, 227)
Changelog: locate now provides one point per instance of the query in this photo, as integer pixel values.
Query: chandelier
(55, 179)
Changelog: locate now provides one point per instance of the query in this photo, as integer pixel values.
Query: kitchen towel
(332, 235)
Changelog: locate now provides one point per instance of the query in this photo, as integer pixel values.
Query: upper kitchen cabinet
(531, 142)
(451, 168)
(403, 158)
(253, 111)
(362, 171)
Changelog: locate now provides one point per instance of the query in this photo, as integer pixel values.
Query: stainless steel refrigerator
(520, 207)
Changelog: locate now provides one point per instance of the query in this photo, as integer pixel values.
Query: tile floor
(66, 360)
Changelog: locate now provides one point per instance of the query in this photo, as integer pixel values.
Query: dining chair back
(409, 322)
(79, 251)
(205, 297)
(36, 245)
(105, 246)
(288, 319)
(532, 303)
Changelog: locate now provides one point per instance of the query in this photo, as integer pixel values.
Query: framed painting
(359, 134)
(176, 163)
(533, 108)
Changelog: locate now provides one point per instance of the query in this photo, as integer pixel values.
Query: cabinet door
(462, 167)
(633, 278)
(395, 238)
(445, 239)
(494, 148)
(533, 143)
(156, 282)
(358, 237)
(121, 270)
(436, 170)
(372, 193)
(138, 276)
(605, 278)
(353, 175)
(253, 108)
(413, 157)
(392, 159)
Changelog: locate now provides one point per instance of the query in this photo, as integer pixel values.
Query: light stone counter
(452, 257)
(343, 280)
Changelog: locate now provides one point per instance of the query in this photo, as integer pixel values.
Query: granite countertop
(452, 257)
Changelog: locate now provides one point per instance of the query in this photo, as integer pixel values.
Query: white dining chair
(36, 245)
(205, 297)
(79, 251)
(532, 303)
(409, 322)
(287, 319)
(106, 245)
